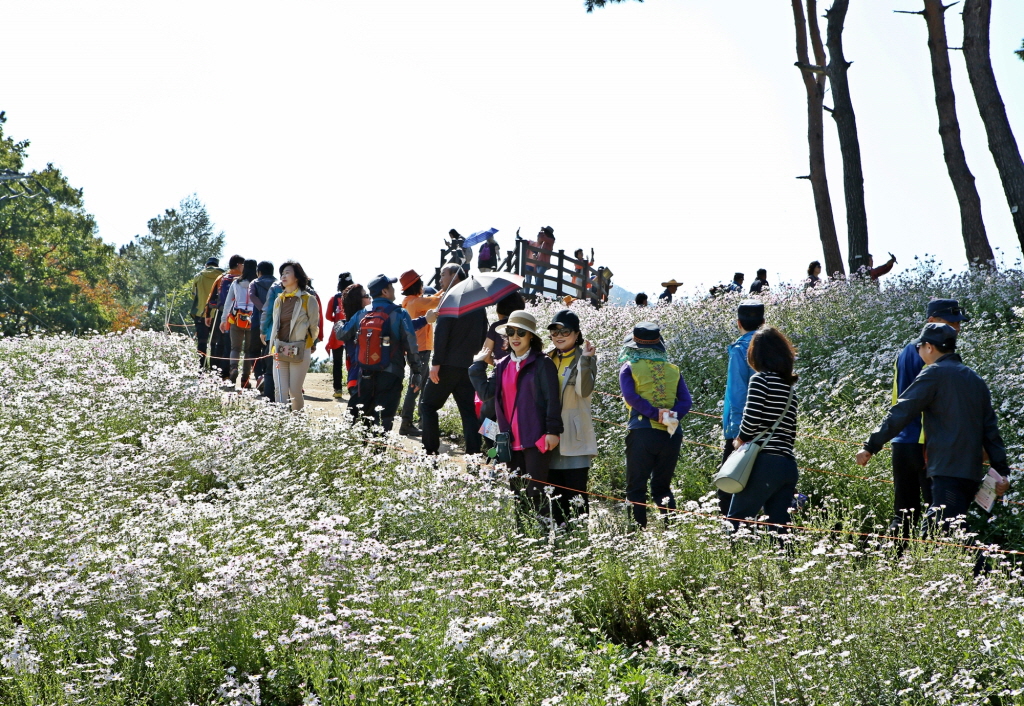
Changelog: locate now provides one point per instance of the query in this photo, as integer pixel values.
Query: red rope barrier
(820, 530)
(809, 436)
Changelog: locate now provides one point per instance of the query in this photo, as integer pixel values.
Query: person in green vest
(657, 398)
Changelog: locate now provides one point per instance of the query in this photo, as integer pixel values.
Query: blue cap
(937, 334)
(379, 284)
(947, 310)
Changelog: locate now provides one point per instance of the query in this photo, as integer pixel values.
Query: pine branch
(591, 4)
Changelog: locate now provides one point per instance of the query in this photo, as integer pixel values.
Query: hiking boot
(339, 394)
(407, 429)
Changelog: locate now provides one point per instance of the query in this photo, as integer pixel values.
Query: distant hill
(620, 296)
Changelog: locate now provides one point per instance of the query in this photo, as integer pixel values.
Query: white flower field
(163, 546)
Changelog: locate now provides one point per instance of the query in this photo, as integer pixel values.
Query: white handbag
(732, 477)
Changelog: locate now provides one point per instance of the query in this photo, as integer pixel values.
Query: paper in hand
(489, 429)
(671, 422)
(986, 496)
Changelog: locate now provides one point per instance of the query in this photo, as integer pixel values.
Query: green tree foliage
(591, 4)
(156, 269)
(54, 270)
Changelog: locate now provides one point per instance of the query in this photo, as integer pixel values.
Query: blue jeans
(771, 486)
(536, 274)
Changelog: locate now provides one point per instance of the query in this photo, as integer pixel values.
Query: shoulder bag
(732, 477)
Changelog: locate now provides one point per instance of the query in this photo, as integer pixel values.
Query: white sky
(353, 135)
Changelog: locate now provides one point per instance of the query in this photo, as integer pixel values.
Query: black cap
(549, 230)
(565, 319)
(213, 262)
(937, 334)
(750, 309)
(947, 310)
(646, 334)
(379, 284)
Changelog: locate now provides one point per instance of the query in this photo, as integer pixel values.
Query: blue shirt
(908, 366)
(267, 322)
(736, 385)
(406, 343)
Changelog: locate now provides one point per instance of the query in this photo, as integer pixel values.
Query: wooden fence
(559, 276)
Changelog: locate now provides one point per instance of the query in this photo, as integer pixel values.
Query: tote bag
(732, 477)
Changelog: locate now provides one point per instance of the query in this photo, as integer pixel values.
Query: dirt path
(318, 392)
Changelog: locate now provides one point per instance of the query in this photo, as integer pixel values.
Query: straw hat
(523, 320)
(672, 283)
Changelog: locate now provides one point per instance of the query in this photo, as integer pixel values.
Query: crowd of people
(523, 389)
(760, 284)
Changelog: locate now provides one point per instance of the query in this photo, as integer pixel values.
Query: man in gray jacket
(959, 424)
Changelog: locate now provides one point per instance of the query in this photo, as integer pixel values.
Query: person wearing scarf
(653, 389)
(576, 363)
(526, 400)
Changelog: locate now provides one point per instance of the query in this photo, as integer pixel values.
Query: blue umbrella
(478, 237)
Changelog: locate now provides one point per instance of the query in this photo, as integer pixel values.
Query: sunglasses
(562, 332)
(517, 332)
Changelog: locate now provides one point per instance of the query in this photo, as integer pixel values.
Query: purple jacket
(538, 400)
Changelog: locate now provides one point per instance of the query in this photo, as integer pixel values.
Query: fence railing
(546, 272)
(552, 272)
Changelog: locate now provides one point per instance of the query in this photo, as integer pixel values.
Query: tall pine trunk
(1001, 143)
(849, 144)
(814, 84)
(972, 226)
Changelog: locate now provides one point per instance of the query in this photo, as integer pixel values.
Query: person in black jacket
(959, 425)
(456, 341)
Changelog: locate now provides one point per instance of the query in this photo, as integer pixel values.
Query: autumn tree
(54, 270)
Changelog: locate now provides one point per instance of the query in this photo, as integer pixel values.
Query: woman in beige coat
(577, 372)
(296, 321)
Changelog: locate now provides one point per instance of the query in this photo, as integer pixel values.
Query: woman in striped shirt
(773, 479)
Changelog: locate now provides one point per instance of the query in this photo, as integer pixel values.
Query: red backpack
(378, 332)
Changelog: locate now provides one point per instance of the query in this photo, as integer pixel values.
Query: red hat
(408, 279)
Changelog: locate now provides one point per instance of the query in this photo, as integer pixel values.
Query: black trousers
(411, 397)
(951, 498)
(453, 382)
(911, 484)
(573, 502)
(531, 494)
(220, 350)
(338, 365)
(724, 498)
(269, 389)
(202, 337)
(651, 456)
(771, 486)
(381, 390)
